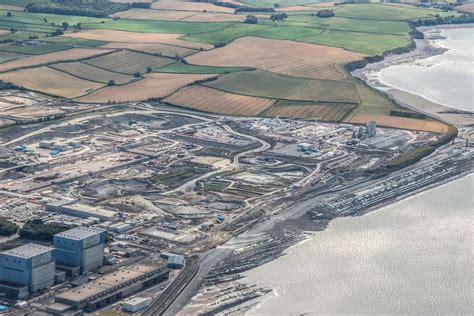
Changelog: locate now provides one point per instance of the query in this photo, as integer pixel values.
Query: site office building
(79, 250)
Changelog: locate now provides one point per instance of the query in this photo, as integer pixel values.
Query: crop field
(290, 68)
(136, 37)
(50, 81)
(38, 49)
(283, 57)
(64, 55)
(401, 122)
(4, 57)
(9, 7)
(322, 111)
(467, 7)
(215, 17)
(147, 14)
(270, 85)
(189, 6)
(155, 49)
(186, 16)
(91, 73)
(155, 85)
(212, 100)
(129, 62)
(179, 67)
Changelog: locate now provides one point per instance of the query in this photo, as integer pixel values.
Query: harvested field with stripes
(215, 17)
(401, 122)
(280, 56)
(152, 86)
(91, 73)
(147, 14)
(128, 62)
(212, 100)
(189, 6)
(322, 111)
(51, 81)
(270, 85)
(155, 49)
(136, 37)
(64, 55)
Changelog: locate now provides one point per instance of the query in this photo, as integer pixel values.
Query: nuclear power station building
(79, 250)
(26, 269)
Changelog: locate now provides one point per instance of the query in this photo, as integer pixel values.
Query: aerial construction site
(171, 184)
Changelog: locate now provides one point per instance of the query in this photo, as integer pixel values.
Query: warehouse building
(73, 208)
(26, 269)
(79, 250)
(110, 288)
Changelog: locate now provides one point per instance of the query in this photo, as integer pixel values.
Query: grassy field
(270, 85)
(76, 42)
(225, 35)
(171, 27)
(288, 32)
(49, 19)
(4, 57)
(383, 13)
(92, 73)
(182, 68)
(40, 48)
(128, 62)
(365, 43)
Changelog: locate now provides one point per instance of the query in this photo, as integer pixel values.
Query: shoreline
(424, 48)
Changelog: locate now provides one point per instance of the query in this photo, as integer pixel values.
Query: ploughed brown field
(51, 81)
(155, 85)
(136, 37)
(280, 56)
(400, 122)
(64, 55)
(212, 100)
(189, 6)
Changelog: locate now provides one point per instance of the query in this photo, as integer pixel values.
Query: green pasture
(182, 68)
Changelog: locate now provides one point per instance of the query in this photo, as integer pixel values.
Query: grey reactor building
(26, 269)
(79, 250)
(32, 267)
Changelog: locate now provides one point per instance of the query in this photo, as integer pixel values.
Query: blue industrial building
(79, 250)
(26, 269)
